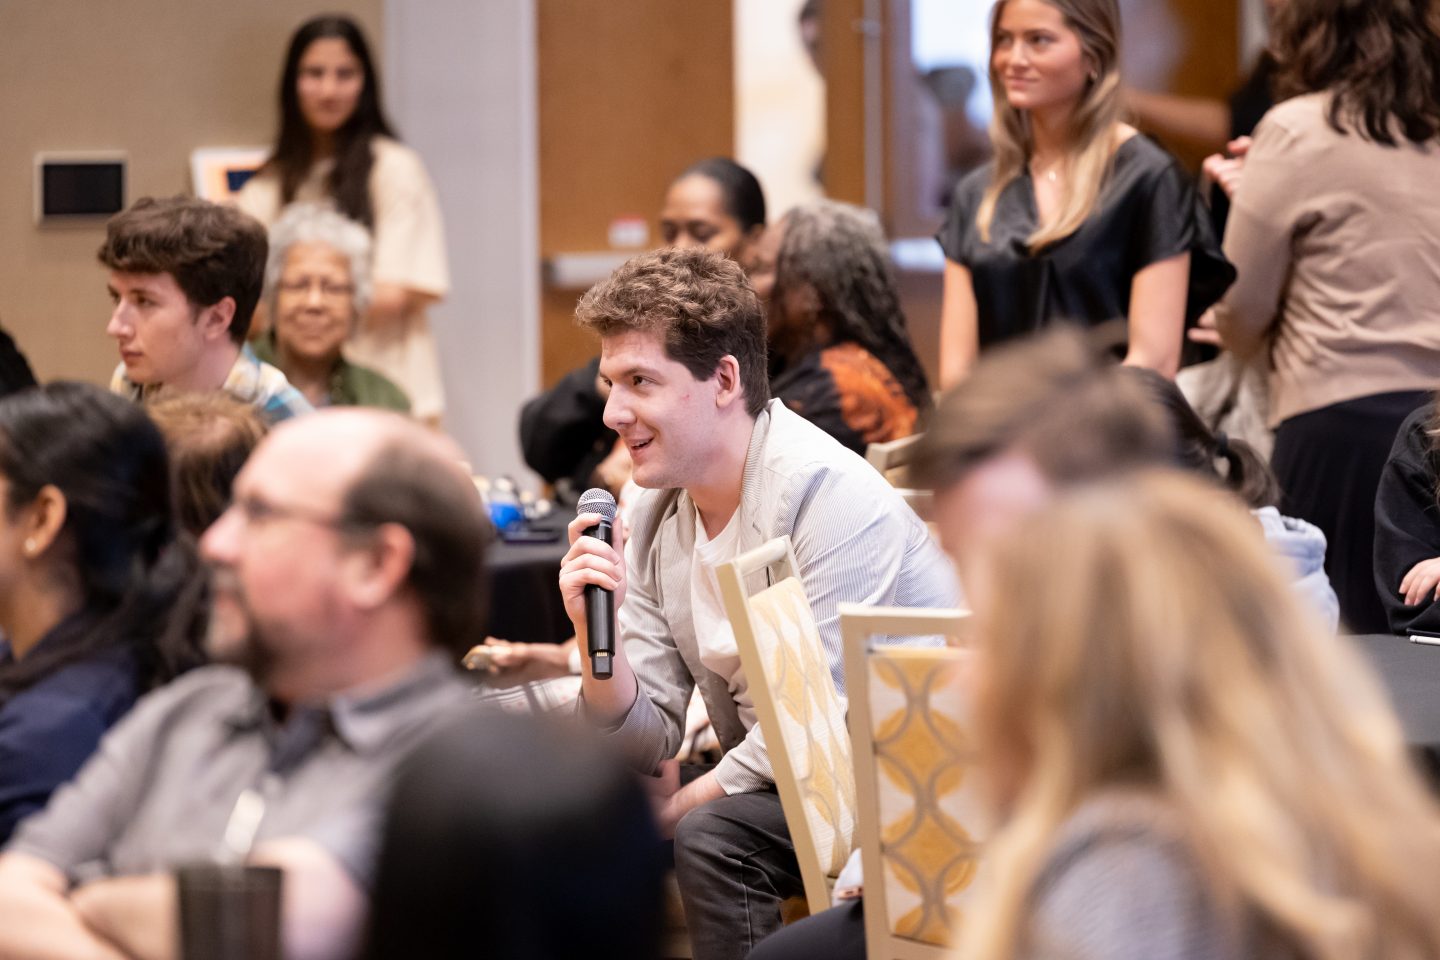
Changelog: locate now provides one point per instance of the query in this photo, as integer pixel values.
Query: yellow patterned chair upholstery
(801, 716)
(919, 803)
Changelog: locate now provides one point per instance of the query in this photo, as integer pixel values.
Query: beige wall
(155, 78)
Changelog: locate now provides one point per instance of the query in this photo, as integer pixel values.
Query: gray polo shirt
(166, 785)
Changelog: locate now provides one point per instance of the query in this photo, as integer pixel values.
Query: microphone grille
(597, 500)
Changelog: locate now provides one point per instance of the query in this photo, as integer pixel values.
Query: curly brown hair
(700, 305)
(1379, 58)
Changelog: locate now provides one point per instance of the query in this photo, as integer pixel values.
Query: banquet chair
(893, 455)
(914, 778)
(801, 715)
(892, 458)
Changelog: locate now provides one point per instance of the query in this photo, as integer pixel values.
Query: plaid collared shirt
(250, 380)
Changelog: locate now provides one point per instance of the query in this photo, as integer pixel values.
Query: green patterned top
(351, 385)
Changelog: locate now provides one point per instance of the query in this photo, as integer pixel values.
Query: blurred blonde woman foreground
(1183, 763)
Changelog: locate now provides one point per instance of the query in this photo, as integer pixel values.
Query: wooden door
(630, 93)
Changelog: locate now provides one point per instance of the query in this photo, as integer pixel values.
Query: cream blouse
(409, 251)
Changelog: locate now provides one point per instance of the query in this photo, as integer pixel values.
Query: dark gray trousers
(735, 864)
(834, 934)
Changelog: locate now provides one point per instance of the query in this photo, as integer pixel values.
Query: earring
(29, 546)
(1094, 76)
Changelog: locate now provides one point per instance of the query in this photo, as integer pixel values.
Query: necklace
(1050, 173)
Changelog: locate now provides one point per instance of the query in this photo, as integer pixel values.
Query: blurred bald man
(347, 577)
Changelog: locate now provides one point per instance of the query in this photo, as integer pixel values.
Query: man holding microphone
(724, 469)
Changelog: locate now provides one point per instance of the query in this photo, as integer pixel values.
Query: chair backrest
(892, 454)
(892, 459)
(918, 801)
(801, 716)
(921, 501)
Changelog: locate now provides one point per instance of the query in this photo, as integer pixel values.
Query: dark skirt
(1328, 462)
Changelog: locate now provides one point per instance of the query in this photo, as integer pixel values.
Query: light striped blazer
(854, 539)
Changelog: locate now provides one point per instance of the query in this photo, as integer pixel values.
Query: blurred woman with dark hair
(335, 145)
(1407, 525)
(840, 351)
(1335, 229)
(89, 569)
(1239, 468)
(716, 204)
(517, 838)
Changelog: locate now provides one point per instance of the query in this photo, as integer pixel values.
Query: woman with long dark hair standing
(89, 570)
(1078, 218)
(1335, 228)
(335, 145)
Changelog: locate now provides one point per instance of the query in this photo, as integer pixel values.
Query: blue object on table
(506, 514)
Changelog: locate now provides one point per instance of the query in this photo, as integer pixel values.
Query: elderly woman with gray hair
(317, 286)
(840, 351)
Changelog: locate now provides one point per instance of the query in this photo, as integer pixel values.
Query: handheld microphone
(599, 602)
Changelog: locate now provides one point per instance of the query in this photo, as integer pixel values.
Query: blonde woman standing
(1182, 763)
(1078, 218)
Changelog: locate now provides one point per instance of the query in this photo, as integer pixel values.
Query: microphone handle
(600, 616)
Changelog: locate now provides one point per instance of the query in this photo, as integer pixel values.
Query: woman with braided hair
(840, 352)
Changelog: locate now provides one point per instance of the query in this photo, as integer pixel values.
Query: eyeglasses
(257, 512)
(328, 289)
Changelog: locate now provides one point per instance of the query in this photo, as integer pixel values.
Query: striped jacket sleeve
(855, 546)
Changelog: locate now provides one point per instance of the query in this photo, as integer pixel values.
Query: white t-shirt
(712, 627)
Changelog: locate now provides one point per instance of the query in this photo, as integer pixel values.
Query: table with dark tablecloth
(1411, 672)
(525, 592)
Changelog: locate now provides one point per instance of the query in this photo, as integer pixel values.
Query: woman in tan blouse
(1335, 231)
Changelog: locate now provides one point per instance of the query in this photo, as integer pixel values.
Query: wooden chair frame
(895, 455)
(857, 625)
(892, 453)
(732, 576)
